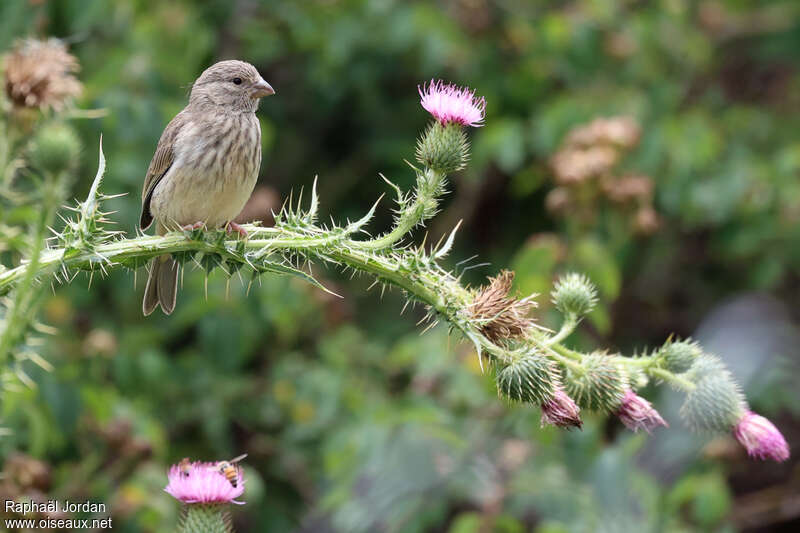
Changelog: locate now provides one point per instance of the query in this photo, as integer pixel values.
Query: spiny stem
(669, 377)
(21, 312)
(569, 325)
(423, 206)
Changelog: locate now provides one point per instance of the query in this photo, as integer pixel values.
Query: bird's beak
(262, 89)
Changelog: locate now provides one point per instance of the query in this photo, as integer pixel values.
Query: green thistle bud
(574, 294)
(678, 356)
(600, 387)
(716, 403)
(443, 148)
(530, 379)
(55, 148)
(211, 517)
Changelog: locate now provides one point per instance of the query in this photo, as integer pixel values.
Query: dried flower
(628, 188)
(501, 317)
(646, 220)
(760, 437)
(40, 74)
(450, 104)
(637, 413)
(574, 165)
(200, 482)
(558, 201)
(621, 131)
(561, 411)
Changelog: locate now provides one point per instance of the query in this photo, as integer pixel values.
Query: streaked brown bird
(205, 166)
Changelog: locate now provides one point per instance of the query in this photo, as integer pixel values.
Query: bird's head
(235, 85)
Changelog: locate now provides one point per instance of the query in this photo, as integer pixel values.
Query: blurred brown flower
(573, 165)
(25, 472)
(501, 316)
(646, 221)
(628, 188)
(39, 74)
(622, 131)
(558, 200)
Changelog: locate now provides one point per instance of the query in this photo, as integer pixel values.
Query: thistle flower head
(574, 294)
(760, 437)
(450, 104)
(530, 378)
(679, 355)
(501, 316)
(39, 74)
(561, 411)
(637, 413)
(201, 482)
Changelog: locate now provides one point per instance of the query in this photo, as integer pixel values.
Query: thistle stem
(569, 325)
(23, 309)
(665, 375)
(424, 205)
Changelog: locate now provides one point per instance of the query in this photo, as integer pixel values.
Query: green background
(352, 420)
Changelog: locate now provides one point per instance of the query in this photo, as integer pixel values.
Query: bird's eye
(237, 81)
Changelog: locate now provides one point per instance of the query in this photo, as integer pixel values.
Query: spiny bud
(55, 148)
(443, 148)
(601, 386)
(531, 379)
(678, 356)
(574, 294)
(716, 403)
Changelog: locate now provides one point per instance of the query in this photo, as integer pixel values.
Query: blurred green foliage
(352, 421)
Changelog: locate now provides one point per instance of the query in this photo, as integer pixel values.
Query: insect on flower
(230, 469)
(185, 467)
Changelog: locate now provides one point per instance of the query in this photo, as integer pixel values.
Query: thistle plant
(206, 495)
(531, 364)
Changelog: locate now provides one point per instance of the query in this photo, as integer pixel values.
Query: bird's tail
(162, 285)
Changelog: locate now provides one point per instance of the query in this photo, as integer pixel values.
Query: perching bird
(205, 166)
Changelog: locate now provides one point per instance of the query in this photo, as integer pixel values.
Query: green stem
(669, 377)
(569, 325)
(22, 311)
(423, 206)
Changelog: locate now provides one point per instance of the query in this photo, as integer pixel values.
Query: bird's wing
(161, 163)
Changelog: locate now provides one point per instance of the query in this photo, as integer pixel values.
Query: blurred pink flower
(561, 411)
(201, 482)
(449, 103)
(637, 413)
(760, 437)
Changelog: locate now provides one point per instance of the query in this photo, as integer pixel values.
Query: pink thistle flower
(200, 482)
(637, 413)
(760, 437)
(561, 411)
(449, 103)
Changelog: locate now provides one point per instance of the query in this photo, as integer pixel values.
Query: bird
(205, 166)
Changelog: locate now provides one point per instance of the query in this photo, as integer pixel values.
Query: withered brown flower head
(502, 317)
(629, 188)
(622, 131)
(573, 165)
(39, 74)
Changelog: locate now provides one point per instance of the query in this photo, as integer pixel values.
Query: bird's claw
(233, 226)
(192, 227)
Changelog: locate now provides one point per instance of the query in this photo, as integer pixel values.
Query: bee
(230, 469)
(185, 466)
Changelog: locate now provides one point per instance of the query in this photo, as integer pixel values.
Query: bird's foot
(192, 227)
(233, 226)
